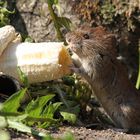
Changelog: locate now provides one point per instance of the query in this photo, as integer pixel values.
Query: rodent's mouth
(72, 47)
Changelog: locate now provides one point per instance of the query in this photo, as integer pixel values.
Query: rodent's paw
(77, 70)
(76, 60)
(74, 69)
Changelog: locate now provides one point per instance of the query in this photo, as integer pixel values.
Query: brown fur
(106, 75)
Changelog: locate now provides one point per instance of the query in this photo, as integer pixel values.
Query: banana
(40, 62)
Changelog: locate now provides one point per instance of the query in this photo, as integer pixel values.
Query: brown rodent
(96, 50)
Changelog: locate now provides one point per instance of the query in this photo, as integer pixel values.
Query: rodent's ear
(98, 31)
(111, 38)
(101, 28)
(83, 27)
(110, 41)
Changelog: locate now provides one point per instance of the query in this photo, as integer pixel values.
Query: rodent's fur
(106, 75)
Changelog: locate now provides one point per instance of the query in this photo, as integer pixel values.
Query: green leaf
(23, 128)
(4, 15)
(4, 135)
(55, 2)
(13, 102)
(48, 113)
(68, 116)
(56, 105)
(6, 12)
(69, 80)
(29, 39)
(3, 122)
(23, 77)
(19, 117)
(35, 108)
(57, 5)
(1, 106)
(50, 2)
(63, 21)
(50, 109)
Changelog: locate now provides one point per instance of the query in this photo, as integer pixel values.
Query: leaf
(50, 109)
(69, 80)
(1, 106)
(68, 116)
(13, 102)
(23, 77)
(47, 116)
(3, 122)
(63, 21)
(56, 105)
(55, 1)
(49, 112)
(4, 135)
(34, 108)
(29, 39)
(50, 2)
(23, 128)
(57, 5)
(19, 117)
(6, 12)
(4, 15)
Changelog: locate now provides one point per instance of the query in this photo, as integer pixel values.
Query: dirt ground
(82, 133)
(33, 19)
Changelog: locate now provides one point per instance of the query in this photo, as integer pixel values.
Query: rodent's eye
(86, 36)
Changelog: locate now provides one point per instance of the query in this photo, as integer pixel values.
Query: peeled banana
(7, 34)
(38, 61)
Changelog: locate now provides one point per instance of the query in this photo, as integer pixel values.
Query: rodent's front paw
(76, 60)
(75, 69)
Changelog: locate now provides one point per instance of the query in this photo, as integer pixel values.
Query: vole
(108, 78)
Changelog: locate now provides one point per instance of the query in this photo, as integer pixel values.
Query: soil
(83, 133)
(32, 18)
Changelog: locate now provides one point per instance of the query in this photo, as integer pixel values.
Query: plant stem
(138, 78)
(56, 24)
